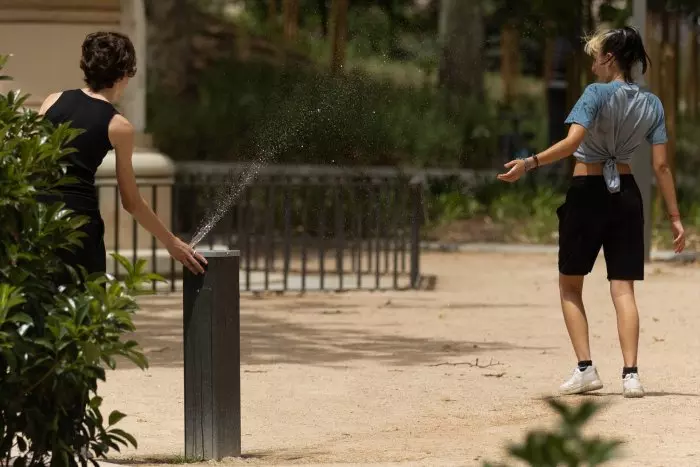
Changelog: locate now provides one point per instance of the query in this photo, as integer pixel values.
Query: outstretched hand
(517, 169)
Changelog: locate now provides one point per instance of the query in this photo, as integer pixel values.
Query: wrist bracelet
(529, 165)
(674, 217)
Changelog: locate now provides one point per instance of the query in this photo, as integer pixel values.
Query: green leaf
(137, 358)
(126, 436)
(124, 263)
(115, 417)
(11, 360)
(109, 361)
(10, 297)
(64, 459)
(19, 318)
(99, 372)
(92, 352)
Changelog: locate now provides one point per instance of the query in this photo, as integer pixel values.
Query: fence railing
(298, 228)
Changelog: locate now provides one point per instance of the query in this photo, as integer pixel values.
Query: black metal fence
(298, 228)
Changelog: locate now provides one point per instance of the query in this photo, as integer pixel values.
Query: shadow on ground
(608, 394)
(286, 456)
(646, 394)
(268, 336)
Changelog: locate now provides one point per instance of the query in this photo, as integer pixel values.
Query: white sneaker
(582, 381)
(632, 386)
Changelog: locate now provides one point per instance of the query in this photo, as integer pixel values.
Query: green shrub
(527, 209)
(531, 213)
(56, 337)
(565, 446)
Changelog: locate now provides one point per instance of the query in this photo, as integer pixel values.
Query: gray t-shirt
(618, 118)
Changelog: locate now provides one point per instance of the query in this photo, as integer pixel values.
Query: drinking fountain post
(211, 330)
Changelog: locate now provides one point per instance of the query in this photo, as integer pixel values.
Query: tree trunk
(548, 66)
(462, 41)
(590, 26)
(574, 73)
(673, 86)
(171, 28)
(665, 86)
(655, 38)
(272, 12)
(547, 71)
(290, 13)
(339, 28)
(575, 68)
(323, 14)
(691, 76)
(510, 62)
(668, 78)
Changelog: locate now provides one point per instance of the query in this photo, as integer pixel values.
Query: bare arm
(556, 152)
(563, 148)
(48, 102)
(664, 178)
(121, 135)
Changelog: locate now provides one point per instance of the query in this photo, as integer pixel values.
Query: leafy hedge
(59, 330)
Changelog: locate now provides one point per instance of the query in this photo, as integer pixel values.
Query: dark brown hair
(107, 57)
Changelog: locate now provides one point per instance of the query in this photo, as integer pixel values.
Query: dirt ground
(365, 378)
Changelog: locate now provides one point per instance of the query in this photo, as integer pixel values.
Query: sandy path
(381, 378)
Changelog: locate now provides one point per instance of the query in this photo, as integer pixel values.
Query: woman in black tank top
(108, 62)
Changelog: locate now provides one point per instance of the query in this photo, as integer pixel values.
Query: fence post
(416, 188)
(211, 330)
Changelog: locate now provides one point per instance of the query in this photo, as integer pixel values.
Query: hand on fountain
(186, 255)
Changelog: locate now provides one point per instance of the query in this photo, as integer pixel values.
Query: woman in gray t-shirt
(603, 206)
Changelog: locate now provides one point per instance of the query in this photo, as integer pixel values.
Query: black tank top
(93, 116)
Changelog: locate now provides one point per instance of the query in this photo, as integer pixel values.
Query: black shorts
(591, 218)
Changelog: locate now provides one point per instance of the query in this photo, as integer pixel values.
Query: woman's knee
(621, 288)
(570, 286)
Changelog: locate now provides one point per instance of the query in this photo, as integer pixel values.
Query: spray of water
(226, 198)
(272, 139)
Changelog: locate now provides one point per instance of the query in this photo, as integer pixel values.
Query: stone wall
(44, 37)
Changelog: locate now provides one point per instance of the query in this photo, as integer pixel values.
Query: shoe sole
(633, 394)
(594, 386)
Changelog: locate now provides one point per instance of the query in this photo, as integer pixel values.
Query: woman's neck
(617, 75)
(109, 95)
